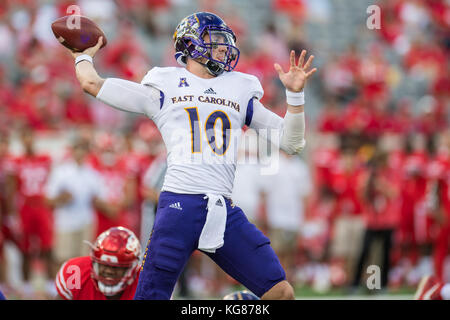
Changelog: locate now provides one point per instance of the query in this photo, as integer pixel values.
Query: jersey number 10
(196, 141)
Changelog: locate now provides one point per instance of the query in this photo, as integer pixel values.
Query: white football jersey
(201, 122)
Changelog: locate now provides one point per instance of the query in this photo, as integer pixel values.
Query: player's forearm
(293, 135)
(88, 77)
(11, 188)
(295, 109)
(290, 129)
(53, 202)
(59, 201)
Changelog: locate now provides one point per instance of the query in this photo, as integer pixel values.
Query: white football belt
(213, 230)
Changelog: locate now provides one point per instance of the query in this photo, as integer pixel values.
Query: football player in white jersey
(200, 109)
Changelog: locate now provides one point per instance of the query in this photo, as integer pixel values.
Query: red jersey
(414, 176)
(115, 179)
(380, 211)
(323, 159)
(74, 282)
(439, 171)
(131, 162)
(135, 165)
(32, 173)
(35, 216)
(347, 183)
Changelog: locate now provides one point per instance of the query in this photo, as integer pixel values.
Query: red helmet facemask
(117, 247)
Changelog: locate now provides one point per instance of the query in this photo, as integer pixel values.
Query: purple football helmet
(188, 38)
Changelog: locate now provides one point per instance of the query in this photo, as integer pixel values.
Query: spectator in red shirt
(294, 9)
(126, 56)
(380, 210)
(348, 225)
(330, 120)
(426, 58)
(77, 110)
(391, 25)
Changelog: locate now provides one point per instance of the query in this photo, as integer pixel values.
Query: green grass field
(306, 292)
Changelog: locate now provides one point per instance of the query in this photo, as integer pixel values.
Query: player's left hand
(295, 79)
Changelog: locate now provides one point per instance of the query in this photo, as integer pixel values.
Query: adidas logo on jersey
(176, 205)
(210, 91)
(219, 203)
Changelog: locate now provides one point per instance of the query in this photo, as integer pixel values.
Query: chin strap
(212, 67)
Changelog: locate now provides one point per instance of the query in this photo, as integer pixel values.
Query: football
(77, 32)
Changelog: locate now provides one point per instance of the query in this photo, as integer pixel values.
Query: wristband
(295, 98)
(82, 58)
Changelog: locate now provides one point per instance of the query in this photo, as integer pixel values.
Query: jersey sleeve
(130, 96)
(157, 78)
(254, 91)
(267, 124)
(62, 284)
(154, 78)
(255, 87)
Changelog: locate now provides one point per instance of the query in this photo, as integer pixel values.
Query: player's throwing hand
(295, 79)
(89, 51)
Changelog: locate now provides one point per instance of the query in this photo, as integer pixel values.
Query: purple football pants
(246, 254)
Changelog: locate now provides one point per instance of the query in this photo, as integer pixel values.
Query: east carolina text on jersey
(213, 100)
(202, 132)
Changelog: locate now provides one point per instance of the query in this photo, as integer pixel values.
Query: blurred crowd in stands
(371, 187)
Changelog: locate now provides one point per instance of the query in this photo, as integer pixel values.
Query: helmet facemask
(115, 260)
(217, 38)
(201, 44)
(111, 286)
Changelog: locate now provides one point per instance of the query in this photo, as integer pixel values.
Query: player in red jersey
(430, 288)
(440, 204)
(30, 172)
(412, 236)
(134, 165)
(120, 187)
(111, 271)
(7, 232)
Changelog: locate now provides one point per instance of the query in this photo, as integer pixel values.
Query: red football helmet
(120, 249)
